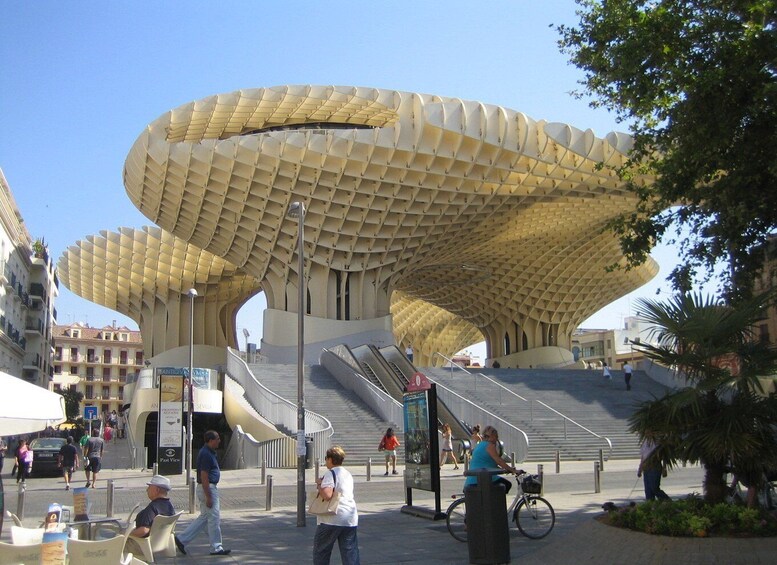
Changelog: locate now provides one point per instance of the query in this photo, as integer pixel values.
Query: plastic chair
(26, 536)
(160, 538)
(27, 554)
(103, 552)
(14, 517)
(106, 531)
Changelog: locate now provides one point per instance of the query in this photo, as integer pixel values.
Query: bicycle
(532, 514)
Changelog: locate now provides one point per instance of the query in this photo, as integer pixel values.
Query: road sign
(90, 412)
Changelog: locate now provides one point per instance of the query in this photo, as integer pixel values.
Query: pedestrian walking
(68, 460)
(389, 444)
(651, 469)
(409, 353)
(447, 447)
(627, 370)
(94, 455)
(606, 371)
(340, 527)
(23, 461)
(208, 476)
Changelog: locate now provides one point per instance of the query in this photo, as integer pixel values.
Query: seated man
(157, 491)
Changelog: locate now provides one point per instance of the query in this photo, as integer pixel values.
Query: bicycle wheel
(455, 519)
(535, 517)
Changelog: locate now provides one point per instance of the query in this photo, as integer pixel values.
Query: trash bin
(488, 535)
(308, 452)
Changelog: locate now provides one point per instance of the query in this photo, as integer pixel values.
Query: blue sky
(81, 80)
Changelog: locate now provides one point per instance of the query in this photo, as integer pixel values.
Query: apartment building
(98, 362)
(28, 288)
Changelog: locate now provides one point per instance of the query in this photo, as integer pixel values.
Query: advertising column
(170, 430)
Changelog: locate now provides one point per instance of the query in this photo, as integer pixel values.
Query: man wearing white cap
(158, 490)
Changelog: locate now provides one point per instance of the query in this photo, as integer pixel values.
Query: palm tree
(723, 419)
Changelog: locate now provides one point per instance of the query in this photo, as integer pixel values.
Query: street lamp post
(190, 413)
(297, 209)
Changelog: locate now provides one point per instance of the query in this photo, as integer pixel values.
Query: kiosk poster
(170, 430)
(418, 468)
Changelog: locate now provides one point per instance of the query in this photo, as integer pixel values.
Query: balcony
(37, 291)
(33, 327)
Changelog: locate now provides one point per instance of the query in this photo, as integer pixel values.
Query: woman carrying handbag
(341, 526)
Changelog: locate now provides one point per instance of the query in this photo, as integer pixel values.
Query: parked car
(45, 455)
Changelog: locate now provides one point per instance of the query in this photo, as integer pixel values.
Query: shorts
(68, 470)
(447, 450)
(390, 453)
(94, 465)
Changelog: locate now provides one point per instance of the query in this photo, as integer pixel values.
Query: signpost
(422, 459)
(170, 426)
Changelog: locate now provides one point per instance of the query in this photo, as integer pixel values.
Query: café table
(87, 528)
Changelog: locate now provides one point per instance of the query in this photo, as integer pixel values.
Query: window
(108, 336)
(76, 334)
(73, 370)
(57, 369)
(89, 391)
(107, 356)
(58, 354)
(122, 372)
(89, 373)
(106, 373)
(123, 357)
(106, 392)
(90, 357)
(138, 358)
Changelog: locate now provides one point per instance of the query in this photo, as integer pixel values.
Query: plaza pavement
(387, 536)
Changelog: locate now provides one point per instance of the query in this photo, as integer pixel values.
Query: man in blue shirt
(208, 475)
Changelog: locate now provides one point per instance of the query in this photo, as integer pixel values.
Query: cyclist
(485, 455)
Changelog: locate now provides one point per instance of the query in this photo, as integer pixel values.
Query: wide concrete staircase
(357, 429)
(602, 406)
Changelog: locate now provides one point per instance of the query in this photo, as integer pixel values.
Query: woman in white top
(340, 527)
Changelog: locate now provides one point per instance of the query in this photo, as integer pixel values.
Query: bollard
(264, 470)
(541, 473)
(466, 462)
(192, 486)
(268, 496)
(318, 467)
(20, 501)
(558, 461)
(144, 464)
(109, 502)
(601, 460)
(369, 469)
(512, 457)
(597, 483)
(156, 466)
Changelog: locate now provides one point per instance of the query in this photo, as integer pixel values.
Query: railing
(465, 410)
(482, 377)
(278, 410)
(245, 452)
(379, 401)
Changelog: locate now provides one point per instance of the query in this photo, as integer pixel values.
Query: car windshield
(47, 443)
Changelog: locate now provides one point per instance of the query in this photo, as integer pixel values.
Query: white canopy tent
(27, 408)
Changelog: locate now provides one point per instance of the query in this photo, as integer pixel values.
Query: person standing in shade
(606, 371)
(68, 460)
(627, 371)
(651, 469)
(94, 456)
(409, 352)
(3, 450)
(341, 527)
(208, 476)
(389, 444)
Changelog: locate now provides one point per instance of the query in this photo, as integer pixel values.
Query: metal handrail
(276, 409)
(565, 418)
(582, 427)
(452, 362)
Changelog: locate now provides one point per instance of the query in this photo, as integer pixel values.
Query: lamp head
(296, 209)
(192, 293)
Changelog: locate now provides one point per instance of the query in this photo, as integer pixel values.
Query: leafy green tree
(73, 400)
(723, 418)
(696, 81)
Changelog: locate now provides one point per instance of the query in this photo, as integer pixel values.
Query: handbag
(321, 507)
